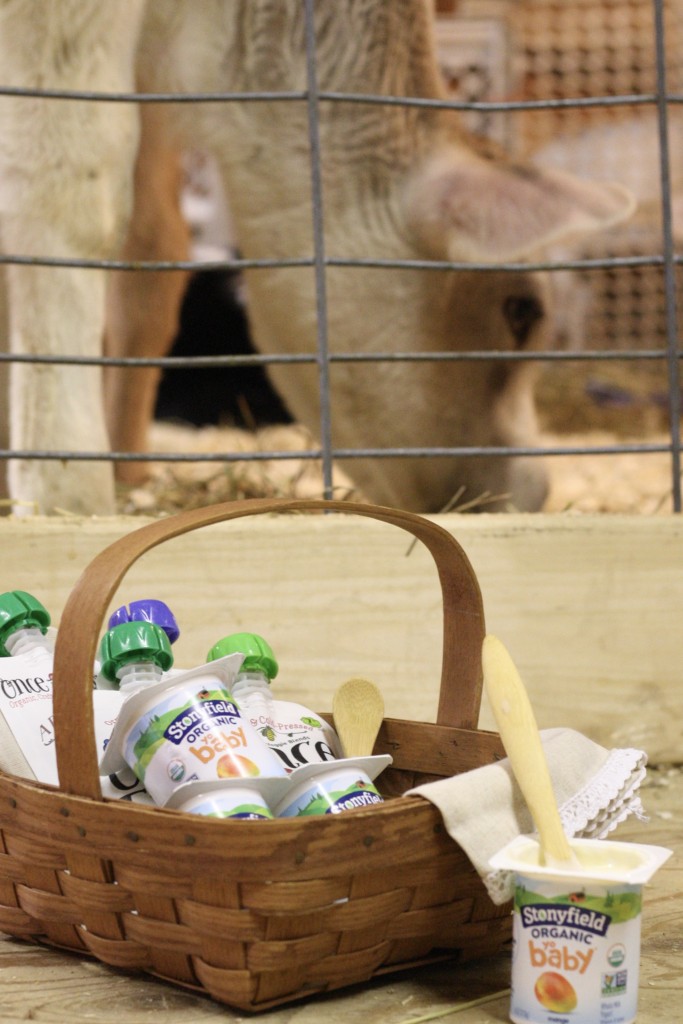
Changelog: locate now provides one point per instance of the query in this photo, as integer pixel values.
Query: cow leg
(65, 183)
(144, 306)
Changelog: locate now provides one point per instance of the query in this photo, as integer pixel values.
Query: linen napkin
(484, 809)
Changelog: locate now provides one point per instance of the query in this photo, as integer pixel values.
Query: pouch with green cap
(297, 735)
(26, 718)
(26, 731)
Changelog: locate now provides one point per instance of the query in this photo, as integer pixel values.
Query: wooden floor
(43, 985)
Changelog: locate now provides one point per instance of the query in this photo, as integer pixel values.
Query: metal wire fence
(664, 262)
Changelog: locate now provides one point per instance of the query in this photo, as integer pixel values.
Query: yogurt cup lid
(272, 789)
(371, 765)
(602, 860)
(225, 669)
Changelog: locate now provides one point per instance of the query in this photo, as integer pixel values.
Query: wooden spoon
(521, 739)
(358, 710)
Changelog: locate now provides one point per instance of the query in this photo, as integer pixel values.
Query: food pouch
(27, 735)
(295, 733)
(184, 729)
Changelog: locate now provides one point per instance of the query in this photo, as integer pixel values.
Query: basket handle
(83, 615)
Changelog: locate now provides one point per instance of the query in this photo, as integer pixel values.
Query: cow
(84, 179)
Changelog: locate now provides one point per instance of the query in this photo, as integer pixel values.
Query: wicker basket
(253, 914)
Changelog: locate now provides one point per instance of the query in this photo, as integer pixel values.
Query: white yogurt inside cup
(576, 933)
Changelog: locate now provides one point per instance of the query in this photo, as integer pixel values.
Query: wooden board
(590, 607)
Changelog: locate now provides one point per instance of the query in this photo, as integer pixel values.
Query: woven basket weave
(253, 914)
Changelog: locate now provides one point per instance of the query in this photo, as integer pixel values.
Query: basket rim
(399, 830)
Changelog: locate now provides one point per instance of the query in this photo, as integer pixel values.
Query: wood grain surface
(589, 607)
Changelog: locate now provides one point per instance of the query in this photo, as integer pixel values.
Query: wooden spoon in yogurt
(521, 739)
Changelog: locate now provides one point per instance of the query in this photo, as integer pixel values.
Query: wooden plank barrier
(590, 607)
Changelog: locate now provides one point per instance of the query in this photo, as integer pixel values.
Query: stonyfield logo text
(553, 915)
(354, 800)
(192, 722)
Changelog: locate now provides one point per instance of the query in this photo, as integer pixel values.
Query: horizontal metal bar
(340, 453)
(97, 96)
(563, 356)
(168, 362)
(299, 95)
(501, 450)
(302, 358)
(498, 106)
(606, 263)
(90, 264)
(65, 455)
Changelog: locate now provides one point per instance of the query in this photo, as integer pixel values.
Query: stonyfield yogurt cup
(185, 729)
(250, 799)
(333, 787)
(576, 933)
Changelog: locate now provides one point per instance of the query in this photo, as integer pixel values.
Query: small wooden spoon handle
(521, 739)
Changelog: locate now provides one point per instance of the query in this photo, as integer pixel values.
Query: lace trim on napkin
(608, 799)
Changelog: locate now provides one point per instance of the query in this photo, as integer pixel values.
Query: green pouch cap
(133, 642)
(258, 655)
(19, 610)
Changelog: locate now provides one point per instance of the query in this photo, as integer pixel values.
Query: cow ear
(461, 206)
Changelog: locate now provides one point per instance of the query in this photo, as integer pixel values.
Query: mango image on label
(555, 993)
(234, 766)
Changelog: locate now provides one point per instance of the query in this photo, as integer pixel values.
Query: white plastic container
(186, 729)
(343, 785)
(576, 934)
(298, 735)
(249, 799)
(27, 738)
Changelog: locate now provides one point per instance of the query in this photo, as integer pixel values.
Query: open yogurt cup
(576, 932)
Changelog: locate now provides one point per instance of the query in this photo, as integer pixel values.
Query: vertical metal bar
(669, 254)
(318, 249)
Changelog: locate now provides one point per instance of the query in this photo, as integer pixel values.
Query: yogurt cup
(186, 729)
(576, 933)
(250, 799)
(333, 787)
